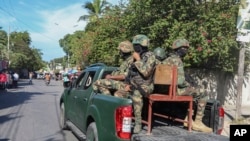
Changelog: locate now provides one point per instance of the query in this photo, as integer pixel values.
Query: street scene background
(31, 112)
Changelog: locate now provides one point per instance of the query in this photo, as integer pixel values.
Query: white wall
(246, 91)
(222, 86)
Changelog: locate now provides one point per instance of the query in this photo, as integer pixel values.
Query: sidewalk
(229, 118)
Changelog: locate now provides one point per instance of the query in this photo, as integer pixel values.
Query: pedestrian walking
(30, 77)
(15, 79)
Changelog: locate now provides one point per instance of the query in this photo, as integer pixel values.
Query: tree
(210, 26)
(73, 45)
(94, 9)
(21, 55)
(3, 44)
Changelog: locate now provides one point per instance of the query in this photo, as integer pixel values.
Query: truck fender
(93, 115)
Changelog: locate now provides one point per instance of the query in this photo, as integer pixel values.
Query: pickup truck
(93, 116)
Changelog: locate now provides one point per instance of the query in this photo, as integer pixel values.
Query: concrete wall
(246, 91)
(222, 86)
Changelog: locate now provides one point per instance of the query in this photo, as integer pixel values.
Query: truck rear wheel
(62, 118)
(91, 134)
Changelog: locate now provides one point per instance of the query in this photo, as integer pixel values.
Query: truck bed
(175, 133)
(169, 130)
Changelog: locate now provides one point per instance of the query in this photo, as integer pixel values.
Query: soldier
(160, 55)
(140, 76)
(180, 47)
(115, 80)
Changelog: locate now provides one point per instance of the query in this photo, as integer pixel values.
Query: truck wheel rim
(91, 137)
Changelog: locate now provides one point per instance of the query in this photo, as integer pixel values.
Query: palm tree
(95, 10)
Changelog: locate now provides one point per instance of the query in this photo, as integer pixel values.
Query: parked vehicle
(3, 80)
(40, 76)
(96, 117)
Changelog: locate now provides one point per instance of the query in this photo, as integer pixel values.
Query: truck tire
(63, 124)
(91, 134)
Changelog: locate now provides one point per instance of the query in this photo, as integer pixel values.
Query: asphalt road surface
(31, 113)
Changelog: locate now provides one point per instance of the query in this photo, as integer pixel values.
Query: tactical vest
(139, 79)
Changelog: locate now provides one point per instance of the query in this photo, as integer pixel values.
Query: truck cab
(94, 116)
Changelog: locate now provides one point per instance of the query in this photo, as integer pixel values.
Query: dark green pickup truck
(97, 117)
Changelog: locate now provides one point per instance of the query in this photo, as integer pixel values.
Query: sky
(47, 21)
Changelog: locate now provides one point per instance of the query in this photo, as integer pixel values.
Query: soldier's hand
(108, 76)
(136, 56)
(127, 88)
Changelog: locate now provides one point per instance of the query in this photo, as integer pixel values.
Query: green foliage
(210, 27)
(21, 56)
(3, 44)
(95, 9)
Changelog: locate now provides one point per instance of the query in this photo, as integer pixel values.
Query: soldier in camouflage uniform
(140, 76)
(115, 81)
(160, 55)
(180, 47)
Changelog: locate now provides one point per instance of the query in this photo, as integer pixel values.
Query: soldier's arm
(123, 71)
(146, 68)
(119, 77)
(181, 73)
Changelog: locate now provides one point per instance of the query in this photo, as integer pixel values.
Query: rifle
(131, 73)
(190, 80)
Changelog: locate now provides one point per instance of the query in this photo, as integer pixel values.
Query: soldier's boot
(186, 119)
(197, 125)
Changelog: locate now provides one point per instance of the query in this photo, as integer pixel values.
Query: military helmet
(143, 40)
(180, 43)
(160, 53)
(126, 47)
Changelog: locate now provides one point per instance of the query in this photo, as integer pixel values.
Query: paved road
(31, 113)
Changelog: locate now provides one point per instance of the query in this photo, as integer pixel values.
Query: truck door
(73, 97)
(83, 99)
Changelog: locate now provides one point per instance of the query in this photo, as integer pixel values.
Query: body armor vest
(137, 78)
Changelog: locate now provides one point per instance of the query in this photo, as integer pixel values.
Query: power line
(25, 24)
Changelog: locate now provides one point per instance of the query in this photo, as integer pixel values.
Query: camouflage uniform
(105, 85)
(174, 59)
(185, 88)
(141, 77)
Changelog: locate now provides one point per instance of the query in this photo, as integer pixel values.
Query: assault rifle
(190, 80)
(131, 73)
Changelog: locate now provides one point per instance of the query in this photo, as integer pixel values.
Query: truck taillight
(123, 120)
(221, 120)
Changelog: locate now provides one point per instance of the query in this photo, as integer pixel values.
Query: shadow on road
(13, 97)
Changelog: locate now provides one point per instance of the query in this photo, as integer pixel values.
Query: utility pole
(68, 60)
(240, 82)
(8, 46)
